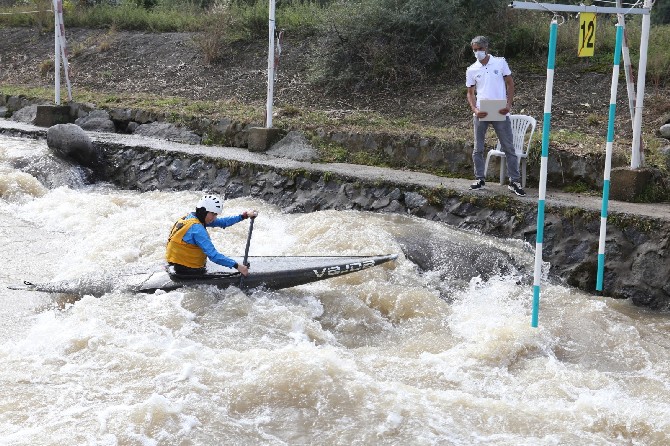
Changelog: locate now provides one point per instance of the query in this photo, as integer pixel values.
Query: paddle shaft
(246, 250)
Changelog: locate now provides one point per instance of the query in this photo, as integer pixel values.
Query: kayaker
(189, 245)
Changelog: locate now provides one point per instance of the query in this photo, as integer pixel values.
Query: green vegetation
(579, 187)
(373, 43)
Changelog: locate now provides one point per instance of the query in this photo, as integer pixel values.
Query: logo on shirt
(495, 71)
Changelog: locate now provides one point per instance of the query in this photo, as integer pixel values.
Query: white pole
(637, 159)
(63, 49)
(56, 55)
(271, 66)
(627, 66)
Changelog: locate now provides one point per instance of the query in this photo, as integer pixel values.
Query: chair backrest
(520, 126)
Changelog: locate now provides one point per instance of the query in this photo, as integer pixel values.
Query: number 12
(587, 34)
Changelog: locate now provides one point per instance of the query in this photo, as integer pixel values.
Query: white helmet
(211, 203)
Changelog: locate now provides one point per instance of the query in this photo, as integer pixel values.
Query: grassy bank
(374, 42)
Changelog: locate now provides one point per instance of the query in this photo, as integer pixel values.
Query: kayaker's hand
(243, 269)
(250, 214)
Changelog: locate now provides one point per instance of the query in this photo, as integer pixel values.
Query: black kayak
(271, 272)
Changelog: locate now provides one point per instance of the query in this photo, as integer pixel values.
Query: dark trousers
(185, 270)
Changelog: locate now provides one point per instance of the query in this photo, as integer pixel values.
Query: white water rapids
(376, 357)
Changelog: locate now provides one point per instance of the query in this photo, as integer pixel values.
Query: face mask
(480, 55)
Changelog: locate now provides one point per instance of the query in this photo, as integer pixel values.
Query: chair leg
(503, 162)
(523, 172)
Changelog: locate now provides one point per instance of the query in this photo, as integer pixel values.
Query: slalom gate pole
(608, 158)
(546, 126)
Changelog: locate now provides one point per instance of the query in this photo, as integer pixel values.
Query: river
(393, 355)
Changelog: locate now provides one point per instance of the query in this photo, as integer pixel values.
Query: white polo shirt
(488, 79)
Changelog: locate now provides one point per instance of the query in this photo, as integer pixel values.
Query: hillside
(171, 64)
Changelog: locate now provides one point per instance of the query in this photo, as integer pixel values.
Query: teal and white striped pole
(546, 125)
(608, 159)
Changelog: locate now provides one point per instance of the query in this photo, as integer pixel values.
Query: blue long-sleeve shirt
(197, 235)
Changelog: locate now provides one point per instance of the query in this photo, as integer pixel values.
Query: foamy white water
(391, 355)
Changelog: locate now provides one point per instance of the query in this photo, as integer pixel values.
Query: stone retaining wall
(637, 248)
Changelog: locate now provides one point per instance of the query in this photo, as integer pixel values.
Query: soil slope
(173, 64)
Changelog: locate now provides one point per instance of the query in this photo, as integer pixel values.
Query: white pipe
(555, 7)
(271, 66)
(63, 48)
(627, 66)
(56, 55)
(637, 159)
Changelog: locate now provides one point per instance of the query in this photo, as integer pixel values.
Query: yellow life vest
(178, 251)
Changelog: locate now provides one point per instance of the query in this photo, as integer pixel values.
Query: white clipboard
(492, 107)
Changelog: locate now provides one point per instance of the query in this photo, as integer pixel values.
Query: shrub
(383, 42)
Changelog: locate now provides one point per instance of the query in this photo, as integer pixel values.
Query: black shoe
(516, 188)
(477, 184)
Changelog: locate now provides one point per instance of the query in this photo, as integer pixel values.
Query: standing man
(491, 77)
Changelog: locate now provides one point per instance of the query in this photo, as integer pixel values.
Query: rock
(665, 131)
(26, 114)
(4, 111)
(70, 142)
(294, 146)
(121, 114)
(665, 154)
(627, 184)
(96, 121)
(79, 110)
(414, 200)
(224, 127)
(455, 260)
(167, 131)
(16, 103)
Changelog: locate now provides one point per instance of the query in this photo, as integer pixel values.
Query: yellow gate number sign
(587, 34)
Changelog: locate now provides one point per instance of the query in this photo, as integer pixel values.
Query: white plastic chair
(520, 126)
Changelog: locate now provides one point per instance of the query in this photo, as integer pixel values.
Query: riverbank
(637, 239)
(425, 126)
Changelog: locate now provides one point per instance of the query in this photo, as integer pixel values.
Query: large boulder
(70, 142)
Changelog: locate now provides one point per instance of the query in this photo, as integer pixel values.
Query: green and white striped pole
(608, 158)
(546, 125)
